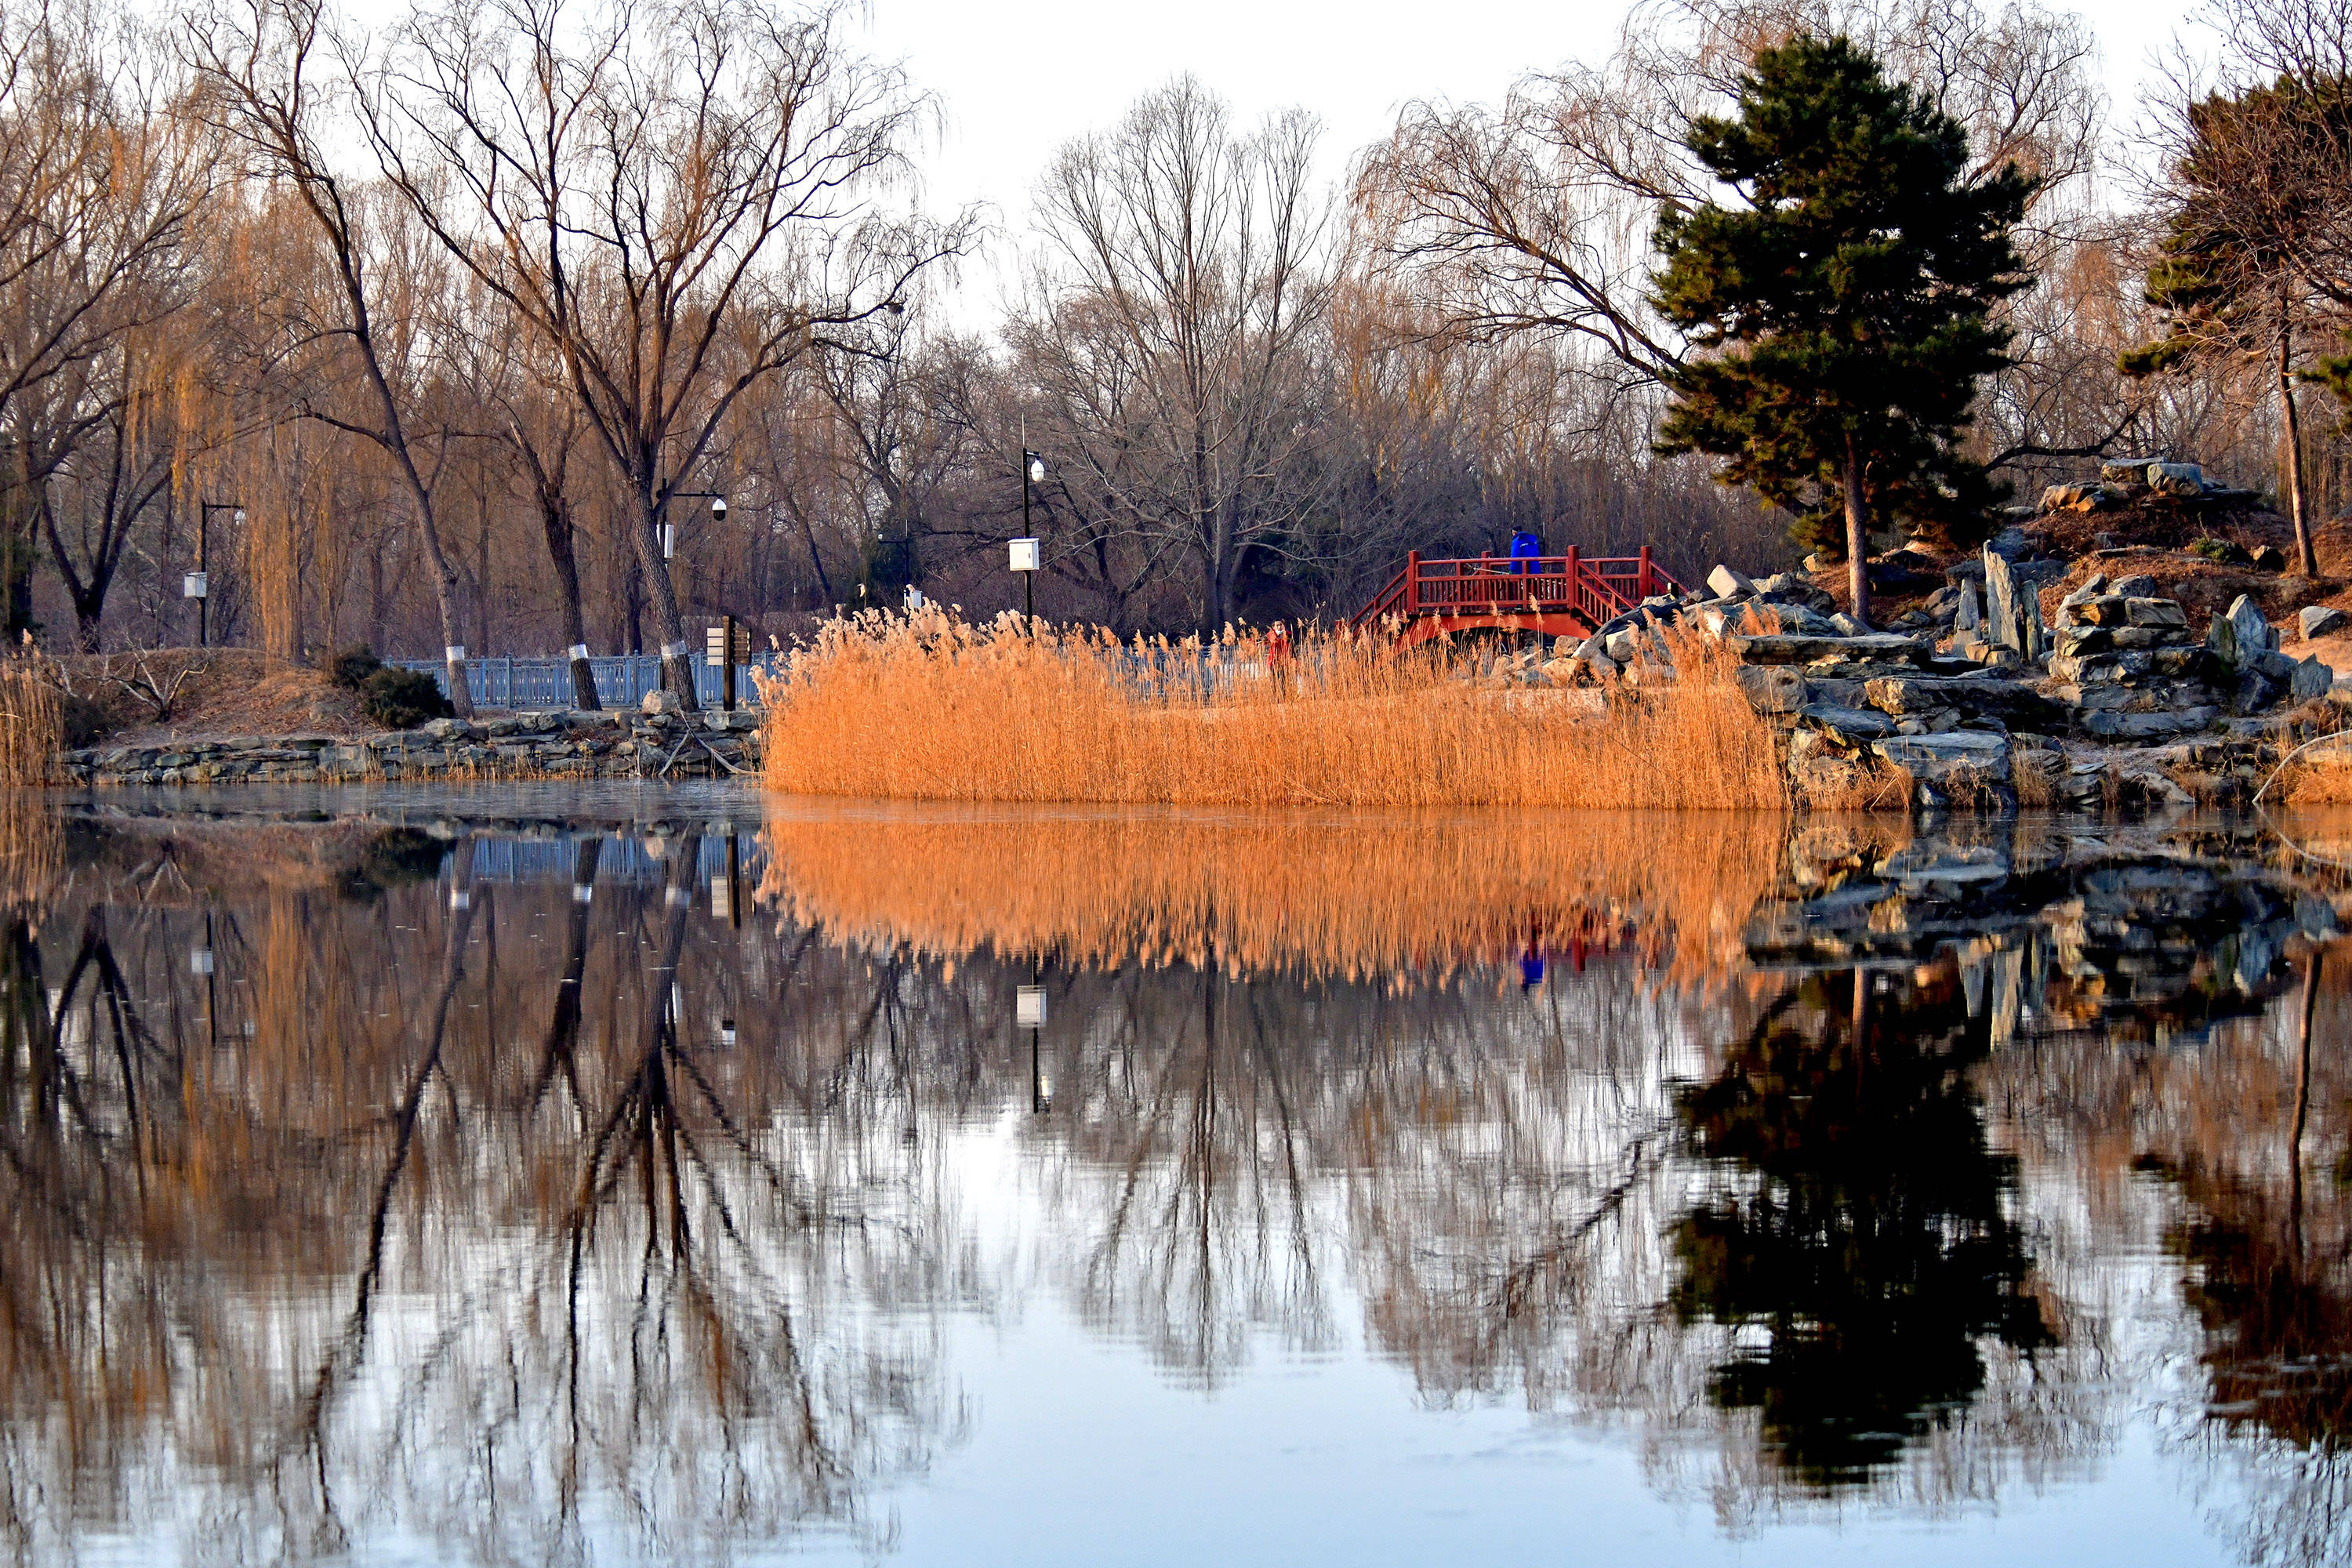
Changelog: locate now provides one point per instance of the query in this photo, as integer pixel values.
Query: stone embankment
(1971, 699)
(656, 742)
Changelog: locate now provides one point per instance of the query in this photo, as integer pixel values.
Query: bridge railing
(622, 680)
(1594, 588)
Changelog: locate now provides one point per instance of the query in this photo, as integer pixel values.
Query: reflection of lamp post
(197, 584)
(200, 962)
(1029, 1013)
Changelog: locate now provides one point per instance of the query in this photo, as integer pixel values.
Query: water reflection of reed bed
(1354, 897)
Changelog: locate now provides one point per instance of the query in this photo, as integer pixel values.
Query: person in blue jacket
(1525, 548)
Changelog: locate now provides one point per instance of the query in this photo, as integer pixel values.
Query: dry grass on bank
(1354, 896)
(930, 707)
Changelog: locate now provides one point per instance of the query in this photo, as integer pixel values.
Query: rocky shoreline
(655, 741)
(1973, 702)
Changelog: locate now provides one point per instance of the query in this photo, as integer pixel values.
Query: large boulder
(2143, 612)
(1849, 723)
(2322, 621)
(2242, 636)
(2312, 679)
(1935, 758)
(2013, 606)
(1771, 688)
(1726, 582)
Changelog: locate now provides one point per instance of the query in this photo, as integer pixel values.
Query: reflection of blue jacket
(1525, 548)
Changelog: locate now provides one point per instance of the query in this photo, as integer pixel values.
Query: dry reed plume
(32, 727)
(929, 706)
(1383, 893)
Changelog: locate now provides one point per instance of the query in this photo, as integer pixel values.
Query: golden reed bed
(1296, 893)
(929, 706)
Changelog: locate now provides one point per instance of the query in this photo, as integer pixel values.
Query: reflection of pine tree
(1872, 1247)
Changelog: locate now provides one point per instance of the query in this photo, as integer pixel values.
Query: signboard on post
(1024, 556)
(717, 642)
(1029, 1007)
(714, 646)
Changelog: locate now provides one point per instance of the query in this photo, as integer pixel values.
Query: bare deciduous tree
(679, 198)
(1175, 325)
(258, 62)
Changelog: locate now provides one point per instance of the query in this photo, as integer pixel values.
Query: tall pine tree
(1841, 315)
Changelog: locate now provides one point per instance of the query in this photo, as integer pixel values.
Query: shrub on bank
(402, 698)
(351, 667)
(927, 706)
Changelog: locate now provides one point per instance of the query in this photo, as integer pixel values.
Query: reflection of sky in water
(1322, 1259)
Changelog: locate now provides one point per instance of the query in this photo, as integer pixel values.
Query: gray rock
(2013, 606)
(2139, 585)
(1726, 582)
(2110, 725)
(1857, 723)
(1846, 626)
(1805, 649)
(2321, 621)
(661, 702)
(1771, 688)
(2242, 636)
(2185, 480)
(2310, 681)
(1789, 588)
(2011, 543)
(2146, 612)
(1969, 616)
(1934, 759)
(2257, 689)
(1622, 646)
(2126, 470)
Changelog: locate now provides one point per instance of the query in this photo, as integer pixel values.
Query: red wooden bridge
(1559, 595)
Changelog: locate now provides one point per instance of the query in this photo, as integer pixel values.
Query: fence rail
(621, 680)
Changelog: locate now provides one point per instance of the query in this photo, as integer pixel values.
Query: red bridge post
(1648, 581)
(1411, 582)
(1575, 596)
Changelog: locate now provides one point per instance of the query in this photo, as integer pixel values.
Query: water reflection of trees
(446, 1212)
(1857, 1231)
(540, 1224)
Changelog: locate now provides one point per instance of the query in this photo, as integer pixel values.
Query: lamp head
(237, 517)
(1036, 470)
(718, 509)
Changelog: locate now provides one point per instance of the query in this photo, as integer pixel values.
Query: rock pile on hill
(1974, 685)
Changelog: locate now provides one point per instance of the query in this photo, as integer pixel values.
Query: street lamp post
(1024, 549)
(669, 549)
(197, 584)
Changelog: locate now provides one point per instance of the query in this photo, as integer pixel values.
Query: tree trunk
(1857, 537)
(444, 596)
(2307, 560)
(558, 524)
(89, 614)
(677, 661)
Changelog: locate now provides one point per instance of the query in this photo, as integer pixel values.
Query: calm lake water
(521, 1175)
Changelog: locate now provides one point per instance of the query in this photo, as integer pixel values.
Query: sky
(1015, 81)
